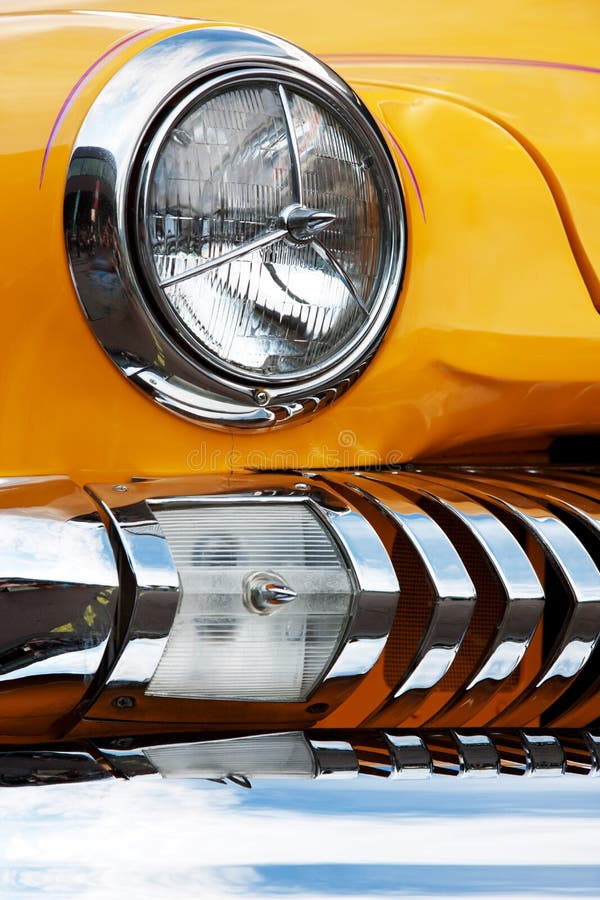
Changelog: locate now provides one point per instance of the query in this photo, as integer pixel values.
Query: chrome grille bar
(579, 576)
(453, 589)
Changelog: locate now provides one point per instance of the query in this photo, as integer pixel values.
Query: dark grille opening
(414, 610)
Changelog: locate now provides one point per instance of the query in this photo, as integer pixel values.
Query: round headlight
(261, 226)
(254, 223)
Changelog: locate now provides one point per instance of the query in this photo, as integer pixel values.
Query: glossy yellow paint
(495, 337)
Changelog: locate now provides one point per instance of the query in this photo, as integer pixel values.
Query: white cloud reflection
(154, 839)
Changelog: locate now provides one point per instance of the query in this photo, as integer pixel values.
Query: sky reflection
(445, 838)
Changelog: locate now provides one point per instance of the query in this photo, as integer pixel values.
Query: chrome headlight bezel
(116, 288)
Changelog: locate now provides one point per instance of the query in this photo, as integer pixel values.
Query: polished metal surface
(453, 588)
(567, 496)
(478, 754)
(110, 278)
(304, 223)
(410, 757)
(545, 754)
(523, 591)
(152, 590)
(58, 596)
(239, 759)
(334, 759)
(49, 765)
(60, 572)
(581, 579)
(593, 742)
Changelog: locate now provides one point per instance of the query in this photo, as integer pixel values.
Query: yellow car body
(491, 114)
(492, 117)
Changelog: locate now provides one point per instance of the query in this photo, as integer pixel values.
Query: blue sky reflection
(444, 838)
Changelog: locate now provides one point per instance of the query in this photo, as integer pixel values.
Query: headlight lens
(262, 228)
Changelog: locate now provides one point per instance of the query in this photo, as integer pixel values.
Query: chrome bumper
(396, 756)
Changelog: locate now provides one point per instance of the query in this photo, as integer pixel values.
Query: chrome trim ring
(112, 287)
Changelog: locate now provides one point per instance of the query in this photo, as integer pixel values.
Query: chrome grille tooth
(531, 753)
(410, 758)
(585, 707)
(522, 591)
(580, 752)
(579, 576)
(545, 754)
(452, 586)
(592, 739)
(478, 754)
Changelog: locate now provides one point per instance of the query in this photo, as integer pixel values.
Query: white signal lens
(266, 598)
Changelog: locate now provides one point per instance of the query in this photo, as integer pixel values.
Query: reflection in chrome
(479, 757)
(334, 759)
(50, 765)
(266, 592)
(305, 755)
(410, 757)
(545, 754)
(593, 742)
(150, 593)
(564, 497)
(580, 576)
(115, 281)
(379, 590)
(455, 594)
(303, 223)
(58, 595)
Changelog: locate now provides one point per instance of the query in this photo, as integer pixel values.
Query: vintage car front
(301, 376)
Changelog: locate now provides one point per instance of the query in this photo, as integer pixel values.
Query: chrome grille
(517, 649)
